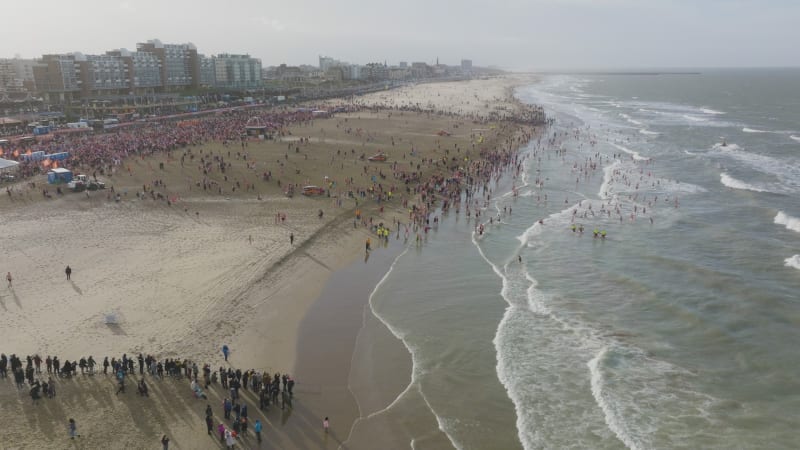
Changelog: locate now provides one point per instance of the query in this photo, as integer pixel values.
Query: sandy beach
(213, 268)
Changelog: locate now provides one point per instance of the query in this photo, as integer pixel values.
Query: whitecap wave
(694, 118)
(725, 146)
(629, 119)
(791, 223)
(787, 171)
(711, 111)
(614, 422)
(753, 130)
(608, 177)
(634, 153)
(648, 132)
(795, 138)
(731, 182)
(560, 217)
(596, 381)
(794, 261)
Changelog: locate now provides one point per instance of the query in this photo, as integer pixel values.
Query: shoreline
(371, 370)
(327, 338)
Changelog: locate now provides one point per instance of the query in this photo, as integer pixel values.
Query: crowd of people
(100, 151)
(41, 375)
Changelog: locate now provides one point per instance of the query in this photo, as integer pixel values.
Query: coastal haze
(598, 247)
(513, 34)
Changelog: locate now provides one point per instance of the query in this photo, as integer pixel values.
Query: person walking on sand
(225, 351)
(221, 431)
(68, 271)
(209, 425)
(257, 429)
(165, 442)
(326, 424)
(230, 441)
(291, 238)
(73, 429)
(9, 278)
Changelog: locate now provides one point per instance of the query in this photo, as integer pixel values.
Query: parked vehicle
(81, 183)
(313, 190)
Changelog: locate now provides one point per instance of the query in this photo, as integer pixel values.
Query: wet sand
(327, 337)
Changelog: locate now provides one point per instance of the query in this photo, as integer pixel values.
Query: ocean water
(678, 330)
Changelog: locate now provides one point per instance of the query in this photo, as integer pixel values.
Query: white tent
(7, 164)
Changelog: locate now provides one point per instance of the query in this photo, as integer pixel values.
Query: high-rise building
(180, 66)
(102, 74)
(57, 77)
(326, 62)
(16, 75)
(144, 69)
(208, 76)
(9, 82)
(466, 65)
(237, 71)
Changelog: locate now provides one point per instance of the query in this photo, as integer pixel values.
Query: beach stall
(59, 175)
(9, 123)
(7, 166)
(255, 127)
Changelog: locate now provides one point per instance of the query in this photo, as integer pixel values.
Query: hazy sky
(513, 34)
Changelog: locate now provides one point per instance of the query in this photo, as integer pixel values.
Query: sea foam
(794, 261)
(752, 130)
(721, 146)
(694, 118)
(731, 182)
(614, 422)
(791, 223)
(633, 153)
(787, 171)
(629, 119)
(416, 370)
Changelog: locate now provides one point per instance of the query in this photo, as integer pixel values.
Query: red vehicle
(378, 157)
(310, 191)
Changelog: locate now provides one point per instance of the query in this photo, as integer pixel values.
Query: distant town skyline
(510, 34)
